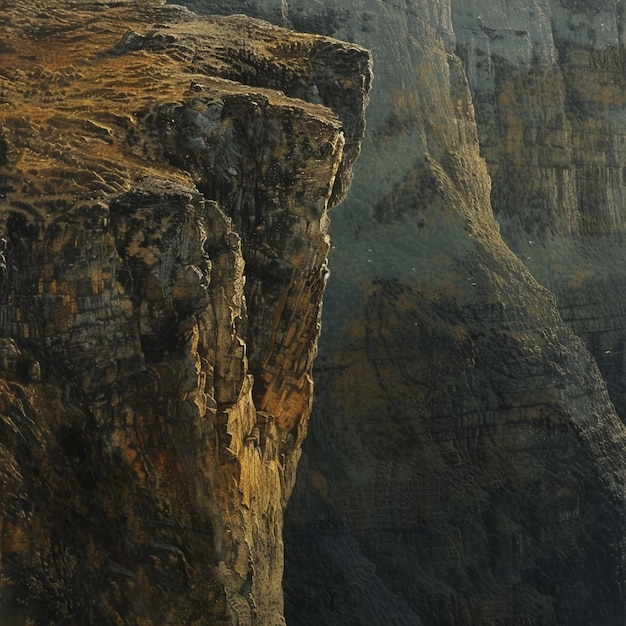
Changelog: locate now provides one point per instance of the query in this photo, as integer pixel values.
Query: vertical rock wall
(464, 462)
(162, 264)
(551, 118)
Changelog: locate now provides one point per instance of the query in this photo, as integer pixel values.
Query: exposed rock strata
(548, 84)
(163, 213)
(464, 460)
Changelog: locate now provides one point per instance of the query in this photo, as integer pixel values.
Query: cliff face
(465, 463)
(163, 258)
(165, 181)
(548, 86)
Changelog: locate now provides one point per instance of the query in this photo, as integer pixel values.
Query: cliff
(164, 191)
(165, 183)
(549, 107)
(465, 457)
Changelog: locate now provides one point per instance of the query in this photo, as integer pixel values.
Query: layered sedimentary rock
(465, 463)
(548, 84)
(163, 258)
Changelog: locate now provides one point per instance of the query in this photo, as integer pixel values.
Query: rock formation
(547, 86)
(465, 461)
(165, 181)
(163, 197)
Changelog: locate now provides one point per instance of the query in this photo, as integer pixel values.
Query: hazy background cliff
(465, 463)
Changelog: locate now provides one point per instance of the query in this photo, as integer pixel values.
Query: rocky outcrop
(465, 464)
(164, 191)
(165, 182)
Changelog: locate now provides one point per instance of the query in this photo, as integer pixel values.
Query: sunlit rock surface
(162, 263)
(465, 463)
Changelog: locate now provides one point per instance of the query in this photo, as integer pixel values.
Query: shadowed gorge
(163, 197)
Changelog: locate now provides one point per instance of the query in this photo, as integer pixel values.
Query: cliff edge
(163, 196)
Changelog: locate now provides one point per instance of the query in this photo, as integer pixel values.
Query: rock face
(164, 191)
(165, 181)
(465, 462)
(548, 89)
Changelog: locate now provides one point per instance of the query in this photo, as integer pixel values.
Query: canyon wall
(163, 208)
(465, 456)
(548, 84)
(164, 187)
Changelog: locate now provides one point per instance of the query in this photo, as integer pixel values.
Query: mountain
(465, 456)
(164, 190)
(168, 185)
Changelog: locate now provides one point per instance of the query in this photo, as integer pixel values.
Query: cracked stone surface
(164, 190)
